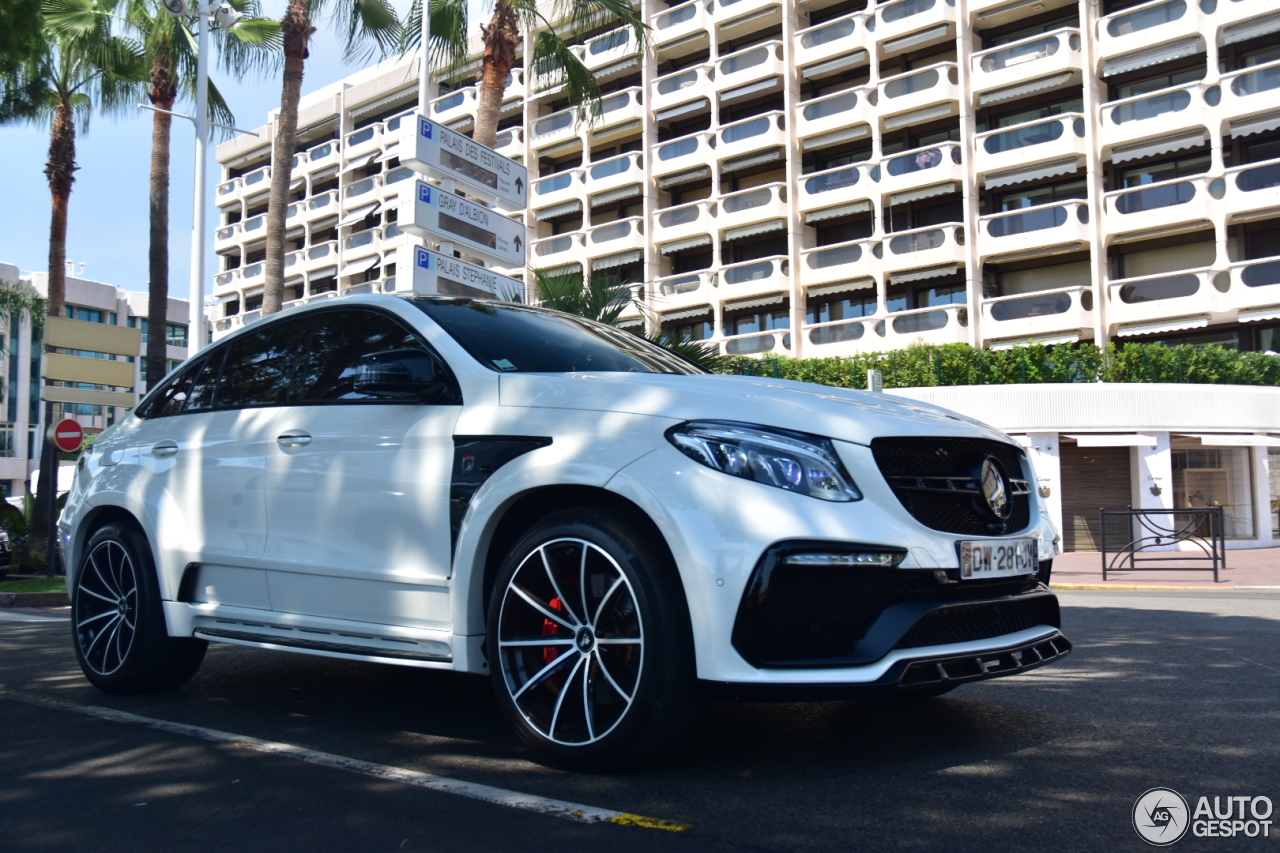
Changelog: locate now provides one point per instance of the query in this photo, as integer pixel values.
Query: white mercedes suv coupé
(607, 531)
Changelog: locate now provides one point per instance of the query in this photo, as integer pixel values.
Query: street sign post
(437, 150)
(426, 271)
(67, 435)
(433, 214)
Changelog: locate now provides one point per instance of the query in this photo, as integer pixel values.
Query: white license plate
(998, 558)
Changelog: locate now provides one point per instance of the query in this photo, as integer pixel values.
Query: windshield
(519, 339)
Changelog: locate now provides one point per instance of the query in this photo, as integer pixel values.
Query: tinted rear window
(516, 339)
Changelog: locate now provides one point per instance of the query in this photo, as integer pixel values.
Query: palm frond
(73, 18)
(449, 33)
(369, 28)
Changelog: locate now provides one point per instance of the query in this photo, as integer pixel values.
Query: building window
(1212, 477)
(1184, 167)
(1044, 194)
(840, 309)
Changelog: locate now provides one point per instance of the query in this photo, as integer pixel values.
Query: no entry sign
(68, 435)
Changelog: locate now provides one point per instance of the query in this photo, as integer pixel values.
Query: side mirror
(405, 374)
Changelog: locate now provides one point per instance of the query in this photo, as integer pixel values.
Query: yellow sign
(92, 337)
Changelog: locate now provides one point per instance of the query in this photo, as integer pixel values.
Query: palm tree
(171, 50)
(501, 36)
(83, 66)
(370, 26)
(603, 298)
(21, 31)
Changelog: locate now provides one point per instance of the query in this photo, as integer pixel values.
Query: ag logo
(1161, 816)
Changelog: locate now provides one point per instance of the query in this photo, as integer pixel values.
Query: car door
(202, 443)
(358, 477)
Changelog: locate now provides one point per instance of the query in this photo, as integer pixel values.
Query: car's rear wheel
(589, 639)
(117, 622)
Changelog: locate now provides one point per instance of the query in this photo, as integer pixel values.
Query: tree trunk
(60, 170)
(296, 30)
(164, 91)
(500, 39)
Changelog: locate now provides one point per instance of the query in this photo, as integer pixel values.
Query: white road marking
(471, 790)
(10, 616)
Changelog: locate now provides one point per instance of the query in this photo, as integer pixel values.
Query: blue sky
(108, 220)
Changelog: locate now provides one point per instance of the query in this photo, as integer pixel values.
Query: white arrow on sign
(433, 272)
(448, 154)
(433, 214)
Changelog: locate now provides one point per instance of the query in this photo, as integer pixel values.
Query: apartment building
(88, 300)
(817, 178)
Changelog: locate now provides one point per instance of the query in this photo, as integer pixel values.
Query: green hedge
(961, 364)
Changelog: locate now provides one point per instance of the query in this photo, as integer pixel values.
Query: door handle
(294, 438)
(164, 449)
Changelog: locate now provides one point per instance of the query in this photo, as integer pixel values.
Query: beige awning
(1159, 145)
(559, 210)
(1153, 56)
(612, 261)
(839, 210)
(1043, 84)
(358, 214)
(359, 163)
(755, 302)
(841, 287)
(1033, 173)
(1256, 124)
(686, 314)
(680, 245)
(1176, 325)
(920, 275)
(360, 265)
(924, 192)
(757, 228)
(825, 140)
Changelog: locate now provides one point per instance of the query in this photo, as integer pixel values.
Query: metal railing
(1202, 527)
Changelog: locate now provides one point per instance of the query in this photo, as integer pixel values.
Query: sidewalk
(1255, 568)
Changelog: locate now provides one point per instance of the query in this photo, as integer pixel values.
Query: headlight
(788, 460)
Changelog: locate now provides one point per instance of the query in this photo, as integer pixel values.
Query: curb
(34, 599)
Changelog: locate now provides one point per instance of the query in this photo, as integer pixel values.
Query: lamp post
(225, 15)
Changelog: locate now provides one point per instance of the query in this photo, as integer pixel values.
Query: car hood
(839, 413)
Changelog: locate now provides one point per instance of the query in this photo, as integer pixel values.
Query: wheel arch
(95, 518)
(526, 509)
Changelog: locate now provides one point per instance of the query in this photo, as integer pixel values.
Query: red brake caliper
(551, 628)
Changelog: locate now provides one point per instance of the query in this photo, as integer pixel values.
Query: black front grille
(965, 622)
(917, 469)
(795, 615)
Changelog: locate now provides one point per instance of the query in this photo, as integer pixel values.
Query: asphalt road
(1163, 689)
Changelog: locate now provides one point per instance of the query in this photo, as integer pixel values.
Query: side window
(361, 355)
(172, 396)
(258, 367)
(204, 382)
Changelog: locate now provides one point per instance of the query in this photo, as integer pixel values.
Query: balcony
(557, 127)
(604, 180)
(622, 235)
(738, 18)
(556, 251)
(767, 130)
(320, 256)
(686, 152)
(226, 280)
(894, 21)
(684, 224)
(609, 48)
(917, 96)
(1251, 90)
(830, 39)
(361, 192)
(325, 204)
(323, 156)
(1150, 24)
(1256, 284)
(684, 291)
(835, 187)
(362, 243)
(1235, 11)
(226, 237)
(748, 207)
(1007, 153)
(510, 143)
(678, 23)
(838, 113)
(549, 80)
(254, 228)
(947, 324)
(755, 68)
(776, 341)
(366, 140)
(1164, 204)
(1253, 187)
(924, 247)
(394, 177)
(1165, 112)
(840, 262)
(920, 167)
(454, 106)
(254, 273)
(515, 90)
(683, 87)
(620, 114)
(755, 277)
(228, 192)
(257, 182)
(556, 189)
(1034, 228)
(1038, 56)
(840, 337)
(1164, 302)
(1066, 311)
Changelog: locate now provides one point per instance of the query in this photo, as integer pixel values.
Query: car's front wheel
(117, 623)
(589, 642)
